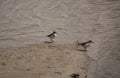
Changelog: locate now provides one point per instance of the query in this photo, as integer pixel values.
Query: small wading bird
(52, 36)
(75, 75)
(85, 45)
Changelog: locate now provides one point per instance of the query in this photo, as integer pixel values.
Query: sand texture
(42, 61)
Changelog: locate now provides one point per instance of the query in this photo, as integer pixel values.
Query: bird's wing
(49, 35)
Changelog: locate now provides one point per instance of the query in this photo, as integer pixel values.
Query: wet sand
(42, 61)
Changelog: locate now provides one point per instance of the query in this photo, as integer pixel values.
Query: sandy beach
(42, 61)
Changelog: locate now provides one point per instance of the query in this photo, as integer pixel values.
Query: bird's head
(54, 31)
(90, 41)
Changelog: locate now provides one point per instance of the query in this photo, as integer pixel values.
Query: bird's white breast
(55, 34)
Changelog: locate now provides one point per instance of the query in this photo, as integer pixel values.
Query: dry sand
(42, 61)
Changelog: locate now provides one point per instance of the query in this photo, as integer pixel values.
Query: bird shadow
(48, 42)
(82, 50)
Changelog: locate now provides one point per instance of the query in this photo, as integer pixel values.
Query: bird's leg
(51, 39)
(85, 48)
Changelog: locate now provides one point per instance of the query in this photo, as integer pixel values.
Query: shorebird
(75, 75)
(52, 36)
(85, 45)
